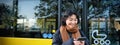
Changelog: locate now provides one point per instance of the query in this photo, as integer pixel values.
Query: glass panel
(102, 19)
(36, 18)
(6, 18)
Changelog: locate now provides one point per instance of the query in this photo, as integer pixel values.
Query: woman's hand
(79, 42)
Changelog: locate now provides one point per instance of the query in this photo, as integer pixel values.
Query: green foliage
(5, 14)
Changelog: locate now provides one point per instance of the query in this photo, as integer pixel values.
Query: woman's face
(71, 21)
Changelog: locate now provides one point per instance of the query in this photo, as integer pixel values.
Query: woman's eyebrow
(70, 18)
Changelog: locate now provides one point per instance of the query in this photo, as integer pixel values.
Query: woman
(69, 31)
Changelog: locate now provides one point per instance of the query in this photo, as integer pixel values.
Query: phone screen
(81, 39)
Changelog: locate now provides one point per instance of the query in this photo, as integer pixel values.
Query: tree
(46, 8)
(5, 14)
(102, 8)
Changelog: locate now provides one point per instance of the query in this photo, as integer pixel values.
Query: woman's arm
(83, 35)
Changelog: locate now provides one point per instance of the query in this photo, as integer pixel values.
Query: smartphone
(81, 39)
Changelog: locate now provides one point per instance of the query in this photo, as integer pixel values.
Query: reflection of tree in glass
(95, 25)
(5, 15)
(47, 8)
(98, 8)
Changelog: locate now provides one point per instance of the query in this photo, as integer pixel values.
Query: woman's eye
(75, 20)
(70, 19)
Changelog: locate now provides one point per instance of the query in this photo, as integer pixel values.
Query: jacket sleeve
(86, 41)
(58, 41)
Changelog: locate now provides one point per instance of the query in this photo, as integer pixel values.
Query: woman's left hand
(82, 42)
(79, 42)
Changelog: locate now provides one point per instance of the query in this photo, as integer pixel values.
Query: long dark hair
(66, 14)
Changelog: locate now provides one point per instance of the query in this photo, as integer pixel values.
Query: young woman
(69, 31)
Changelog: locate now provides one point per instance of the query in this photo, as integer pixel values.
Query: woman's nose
(73, 22)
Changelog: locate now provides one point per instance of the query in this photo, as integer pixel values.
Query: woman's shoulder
(57, 38)
(57, 31)
(82, 33)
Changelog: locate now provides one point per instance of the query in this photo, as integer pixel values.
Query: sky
(26, 8)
